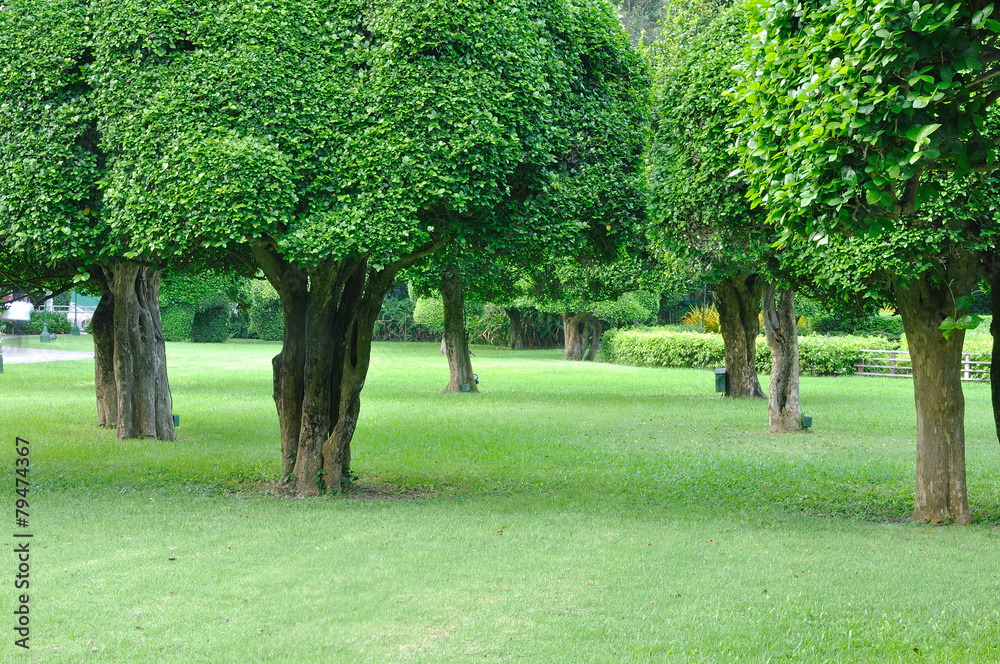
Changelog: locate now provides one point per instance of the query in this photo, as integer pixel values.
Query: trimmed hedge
(266, 317)
(818, 356)
(58, 323)
(177, 320)
(833, 324)
(211, 325)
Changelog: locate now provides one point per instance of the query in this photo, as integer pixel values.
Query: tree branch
(990, 75)
(978, 168)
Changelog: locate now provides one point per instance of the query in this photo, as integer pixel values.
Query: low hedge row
(58, 323)
(818, 356)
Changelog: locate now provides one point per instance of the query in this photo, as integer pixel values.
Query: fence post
(892, 362)
(966, 375)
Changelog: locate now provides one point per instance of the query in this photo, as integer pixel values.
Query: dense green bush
(193, 305)
(177, 320)
(57, 323)
(211, 325)
(488, 323)
(828, 356)
(632, 308)
(838, 324)
(484, 323)
(239, 323)
(429, 312)
(395, 321)
(266, 320)
(818, 356)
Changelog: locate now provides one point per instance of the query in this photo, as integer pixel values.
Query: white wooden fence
(896, 364)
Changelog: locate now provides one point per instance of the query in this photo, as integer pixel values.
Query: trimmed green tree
(698, 212)
(855, 115)
(53, 169)
(343, 142)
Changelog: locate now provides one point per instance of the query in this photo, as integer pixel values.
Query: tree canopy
(846, 105)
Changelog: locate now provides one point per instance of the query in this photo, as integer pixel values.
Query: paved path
(15, 355)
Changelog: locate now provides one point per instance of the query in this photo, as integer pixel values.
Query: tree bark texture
(738, 299)
(456, 342)
(595, 339)
(102, 329)
(784, 412)
(329, 311)
(139, 355)
(941, 493)
(574, 328)
(516, 330)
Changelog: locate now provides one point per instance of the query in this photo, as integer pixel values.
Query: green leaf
(965, 302)
(919, 133)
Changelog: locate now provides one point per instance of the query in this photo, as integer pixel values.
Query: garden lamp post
(46, 337)
(76, 313)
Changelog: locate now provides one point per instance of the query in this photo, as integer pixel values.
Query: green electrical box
(720, 380)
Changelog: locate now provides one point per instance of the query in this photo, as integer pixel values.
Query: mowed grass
(572, 512)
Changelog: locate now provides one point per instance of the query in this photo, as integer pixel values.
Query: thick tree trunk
(364, 294)
(330, 312)
(595, 339)
(784, 412)
(574, 338)
(461, 378)
(102, 329)
(738, 299)
(516, 332)
(941, 493)
(288, 366)
(318, 389)
(139, 356)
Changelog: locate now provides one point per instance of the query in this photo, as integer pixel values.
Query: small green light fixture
(45, 337)
(75, 331)
(807, 421)
(720, 380)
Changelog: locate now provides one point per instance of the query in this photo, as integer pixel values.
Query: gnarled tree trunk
(516, 331)
(784, 412)
(573, 332)
(595, 339)
(456, 342)
(738, 298)
(329, 312)
(941, 493)
(139, 355)
(102, 329)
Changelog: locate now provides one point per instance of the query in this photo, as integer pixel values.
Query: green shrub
(836, 324)
(177, 320)
(266, 321)
(488, 323)
(57, 323)
(483, 322)
(429, 312)
(890, 327)
(632, 308)
(828, 356)
(645, 347)
(818, 356)
(211, 325)
(239, 323)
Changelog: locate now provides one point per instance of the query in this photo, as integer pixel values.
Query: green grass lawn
(572, 512)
